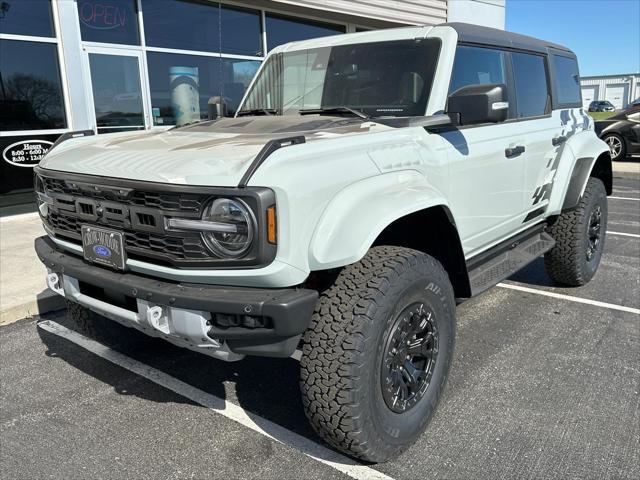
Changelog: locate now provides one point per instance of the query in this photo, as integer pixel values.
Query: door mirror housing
(483, 103)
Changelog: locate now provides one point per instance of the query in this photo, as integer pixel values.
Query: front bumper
(224, 322)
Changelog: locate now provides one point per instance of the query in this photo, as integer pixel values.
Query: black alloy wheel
(410, 357)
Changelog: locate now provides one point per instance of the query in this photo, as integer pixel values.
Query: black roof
(469, 33)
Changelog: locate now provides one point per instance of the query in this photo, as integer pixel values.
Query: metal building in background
(620, 90)
(122, 65)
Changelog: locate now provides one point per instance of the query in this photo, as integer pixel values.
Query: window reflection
(181, 85)
(30, 88)
(117, 94)
(26, 17)
(281, 29)
(196, 26)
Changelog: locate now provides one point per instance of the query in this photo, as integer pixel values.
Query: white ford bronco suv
(367, 183)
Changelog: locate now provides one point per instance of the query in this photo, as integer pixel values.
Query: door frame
(142, 72)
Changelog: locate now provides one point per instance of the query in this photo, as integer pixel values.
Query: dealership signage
(26, 153)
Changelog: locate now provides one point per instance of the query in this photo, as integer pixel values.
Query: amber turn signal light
(271, 225)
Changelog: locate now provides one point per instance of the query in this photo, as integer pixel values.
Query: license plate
(103, 247)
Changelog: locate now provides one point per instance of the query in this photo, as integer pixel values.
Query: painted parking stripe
(625, 198)
(218, 405)
(633, 235)
(570, 298)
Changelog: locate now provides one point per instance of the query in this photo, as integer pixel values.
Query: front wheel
(579, 234)
(377, 353)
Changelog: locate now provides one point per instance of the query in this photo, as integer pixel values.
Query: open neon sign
(103, 15)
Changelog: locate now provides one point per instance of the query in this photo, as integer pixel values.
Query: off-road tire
(344, 344)
(566, 263)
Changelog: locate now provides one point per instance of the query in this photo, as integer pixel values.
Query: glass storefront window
(30, 86)
(187, 25)
(282, 29)
(181, 85)
(117, 94)
(109, 21)
(26, 17)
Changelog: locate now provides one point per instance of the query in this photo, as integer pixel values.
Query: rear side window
(474, 65)
(566, 81)
(532, 90)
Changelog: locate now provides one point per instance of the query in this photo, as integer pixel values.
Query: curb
(45, 302)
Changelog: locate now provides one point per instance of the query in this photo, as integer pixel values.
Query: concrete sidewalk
(23, 289)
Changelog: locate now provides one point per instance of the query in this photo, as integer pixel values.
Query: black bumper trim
(289, 309)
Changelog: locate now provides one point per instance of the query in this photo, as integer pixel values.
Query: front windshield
(379, 79)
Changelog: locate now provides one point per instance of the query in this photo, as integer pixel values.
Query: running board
(505, 264)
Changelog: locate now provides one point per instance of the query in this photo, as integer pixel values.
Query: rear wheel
(579, 234)
(617, 147)
(377, 353)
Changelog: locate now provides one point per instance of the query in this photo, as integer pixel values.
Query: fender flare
(588, 153)
(357, 215)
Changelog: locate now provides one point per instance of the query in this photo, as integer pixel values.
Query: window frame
(511, 87)
(555, 101)
(548, 108)
(55, 39)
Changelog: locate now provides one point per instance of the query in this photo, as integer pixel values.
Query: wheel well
(602, 169)
(432, 231)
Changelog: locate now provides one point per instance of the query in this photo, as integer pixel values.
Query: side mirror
(479, 104)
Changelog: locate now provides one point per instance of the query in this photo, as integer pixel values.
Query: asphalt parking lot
(545, 384)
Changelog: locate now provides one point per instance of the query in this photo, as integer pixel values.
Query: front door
(118, 88)
(486, 165)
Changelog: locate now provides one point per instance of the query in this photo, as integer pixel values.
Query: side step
(505, 264)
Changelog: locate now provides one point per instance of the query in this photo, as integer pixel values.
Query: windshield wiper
(357, 113)
(257, 111)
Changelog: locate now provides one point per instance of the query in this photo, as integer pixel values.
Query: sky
(604, 34)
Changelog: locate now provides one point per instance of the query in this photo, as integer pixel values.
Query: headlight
(234, 228)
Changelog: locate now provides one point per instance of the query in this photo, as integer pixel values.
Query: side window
(532, 90)
(566, 81)
(475, 65)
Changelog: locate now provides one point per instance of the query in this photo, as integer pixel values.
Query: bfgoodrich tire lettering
(344, 347)
(580, 236)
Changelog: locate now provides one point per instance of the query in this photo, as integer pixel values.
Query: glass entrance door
(117, 86)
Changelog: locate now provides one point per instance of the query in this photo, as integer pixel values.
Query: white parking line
(625, 198)
(218, 405)
(559, 296)
(609, 232)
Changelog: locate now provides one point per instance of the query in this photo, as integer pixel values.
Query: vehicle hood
(215, 153)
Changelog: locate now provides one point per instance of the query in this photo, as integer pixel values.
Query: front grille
(140, 211)
(160, 200)
(138, 214)
(138, 244)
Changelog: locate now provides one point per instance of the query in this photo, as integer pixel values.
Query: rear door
(538, 128)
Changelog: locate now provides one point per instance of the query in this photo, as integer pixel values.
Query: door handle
(558, 140)
(514, 151)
